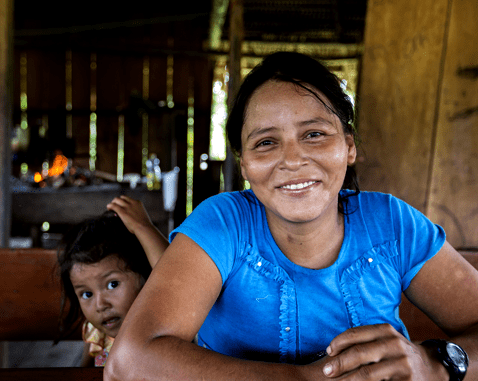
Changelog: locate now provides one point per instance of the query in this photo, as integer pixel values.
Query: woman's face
(294, 152)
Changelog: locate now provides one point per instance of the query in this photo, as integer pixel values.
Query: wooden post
(454, 182)
(6, 108)
(236, 36)
(418, 110)
(400, 82)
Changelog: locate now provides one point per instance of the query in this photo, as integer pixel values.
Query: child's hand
(132, 213)
(137, 221)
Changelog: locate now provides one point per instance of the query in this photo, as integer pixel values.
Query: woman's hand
(132, 213)
(379, 352)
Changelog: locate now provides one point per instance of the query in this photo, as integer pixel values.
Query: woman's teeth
(298, 186)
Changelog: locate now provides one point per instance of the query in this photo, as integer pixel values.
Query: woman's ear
(352, 149)
(243, 169)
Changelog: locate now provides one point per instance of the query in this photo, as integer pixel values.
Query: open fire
(60, 164)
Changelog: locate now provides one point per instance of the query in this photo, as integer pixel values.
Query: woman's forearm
(170, 358)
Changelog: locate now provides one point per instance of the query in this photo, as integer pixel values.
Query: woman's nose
(293, 156)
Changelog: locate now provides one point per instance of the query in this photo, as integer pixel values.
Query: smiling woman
(300, 277)
(295, 154)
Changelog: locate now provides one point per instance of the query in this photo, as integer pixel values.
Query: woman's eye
(113, 284)
(314, 134)
(86, 295)
(264, 143)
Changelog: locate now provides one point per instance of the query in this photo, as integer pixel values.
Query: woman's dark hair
(89, 242)
(306, 73)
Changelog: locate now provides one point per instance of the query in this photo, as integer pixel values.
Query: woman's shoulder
(372, 199)
(223, 211)
(380, 207)
(376, 208)
(237, 200)
(364, 199)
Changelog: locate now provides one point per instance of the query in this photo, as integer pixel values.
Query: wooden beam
(323, 51)
(6, 109)
(216, 22)
(236, 37)
(338, 24)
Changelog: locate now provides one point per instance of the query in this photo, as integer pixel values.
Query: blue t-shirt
(271, 309)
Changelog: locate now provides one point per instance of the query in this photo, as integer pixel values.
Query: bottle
(149, 174)
(157, 173)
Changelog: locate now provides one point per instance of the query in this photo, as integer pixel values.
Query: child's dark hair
(89, 242)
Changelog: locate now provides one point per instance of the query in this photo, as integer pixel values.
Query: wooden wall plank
(203, 179)
(399, 84)
(45, 80)
(111, 97)
(133, 84)
(160, 131)
(51, 91)
(157, 75)
(6, 111)
(181, 78)
(16, 80)
(454, 187)
(80, 81)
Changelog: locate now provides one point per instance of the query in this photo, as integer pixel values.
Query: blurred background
(100, 98)
(107, 99)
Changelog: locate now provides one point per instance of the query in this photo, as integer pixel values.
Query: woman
(272, 277)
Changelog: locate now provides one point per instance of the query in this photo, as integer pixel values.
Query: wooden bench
(30, 299)
(52, 374)
(29, 295)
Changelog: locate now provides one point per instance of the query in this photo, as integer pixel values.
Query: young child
(104, 263)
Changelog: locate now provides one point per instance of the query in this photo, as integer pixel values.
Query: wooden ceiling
(144, 25)
(315, 21)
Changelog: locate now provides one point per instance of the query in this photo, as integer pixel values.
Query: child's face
(105, 292)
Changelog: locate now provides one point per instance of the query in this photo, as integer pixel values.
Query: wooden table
(51, 374)
(69, 206)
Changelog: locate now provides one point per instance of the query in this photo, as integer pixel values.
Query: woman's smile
(298, 185)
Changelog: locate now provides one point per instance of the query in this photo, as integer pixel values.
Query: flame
(37, 177)
(60, 164)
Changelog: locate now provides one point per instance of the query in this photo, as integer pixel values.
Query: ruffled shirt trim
(100, 343)
(288, 302)
(351, 275)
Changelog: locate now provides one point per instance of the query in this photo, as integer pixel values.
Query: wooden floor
(41, 354)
